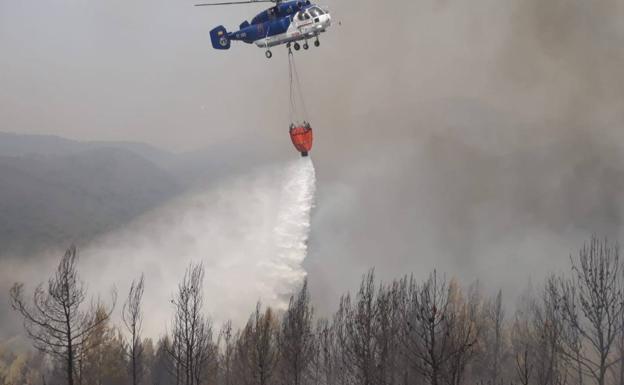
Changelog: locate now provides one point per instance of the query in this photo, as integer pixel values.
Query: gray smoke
(479, 138)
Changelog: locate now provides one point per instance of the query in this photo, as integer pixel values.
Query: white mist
(250, 232)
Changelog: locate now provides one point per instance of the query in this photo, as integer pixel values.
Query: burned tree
(296, 338)
(427, 323)
(465, 331)
(367, 333)
(590, 304)
(496, 315)
(57, 322)
(358, 332)
(326, 360)
(390, 362)
(257, 353)
(436, 332)
(192, 350)
(133, 321)
(536, 337)
(522, 348)
(226, 358)
(548, 330)
(102, 360)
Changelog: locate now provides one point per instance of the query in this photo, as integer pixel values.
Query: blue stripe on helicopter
(255, 32)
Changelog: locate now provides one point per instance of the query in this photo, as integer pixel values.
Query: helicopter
(288, 22)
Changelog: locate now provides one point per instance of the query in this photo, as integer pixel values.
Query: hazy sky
(480, 137)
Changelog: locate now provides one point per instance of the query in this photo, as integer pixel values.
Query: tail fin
(219, 37)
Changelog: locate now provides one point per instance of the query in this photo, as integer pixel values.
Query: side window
(300, 16)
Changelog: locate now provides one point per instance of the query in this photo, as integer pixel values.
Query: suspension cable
(293, 107)
(295, 94)
(299, 88)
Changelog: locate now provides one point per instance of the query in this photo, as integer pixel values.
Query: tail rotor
(219, 37)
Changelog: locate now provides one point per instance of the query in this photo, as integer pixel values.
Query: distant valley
(55, 191)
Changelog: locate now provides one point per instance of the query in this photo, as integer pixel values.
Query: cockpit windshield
(316, 11)
(303, 16)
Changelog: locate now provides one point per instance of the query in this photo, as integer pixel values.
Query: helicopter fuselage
(285, 23)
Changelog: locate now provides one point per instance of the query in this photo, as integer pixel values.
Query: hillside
(54, 191)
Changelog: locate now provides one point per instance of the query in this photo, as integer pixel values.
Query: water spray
(250, 233)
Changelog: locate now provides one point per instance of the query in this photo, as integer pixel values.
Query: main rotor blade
(236, 2)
